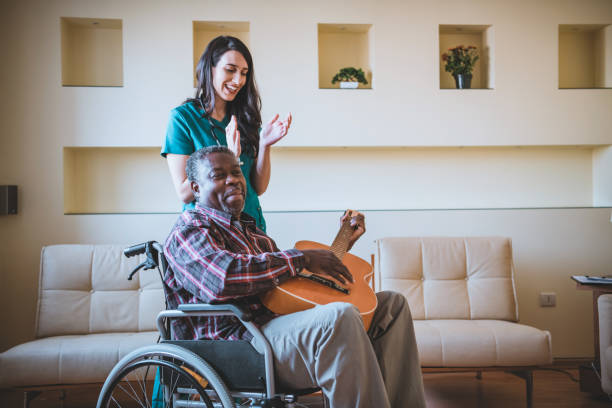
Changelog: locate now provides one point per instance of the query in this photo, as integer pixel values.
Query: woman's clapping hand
(232, 136)
(274, 130)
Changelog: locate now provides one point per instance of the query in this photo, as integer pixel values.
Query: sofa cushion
(68, 359)
(481, 343)
(450, 278)
(84, 289)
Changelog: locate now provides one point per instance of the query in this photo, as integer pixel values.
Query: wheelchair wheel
(186, 381)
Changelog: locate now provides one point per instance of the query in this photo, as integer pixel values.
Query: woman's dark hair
(247, 104)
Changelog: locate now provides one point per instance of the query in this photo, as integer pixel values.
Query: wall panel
(405, 109)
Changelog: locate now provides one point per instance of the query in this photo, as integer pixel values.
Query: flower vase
(463, 81)
(349, 84)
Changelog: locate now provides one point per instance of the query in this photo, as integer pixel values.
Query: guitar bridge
(323, 281)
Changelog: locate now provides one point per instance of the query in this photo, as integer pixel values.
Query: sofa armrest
(604, 303)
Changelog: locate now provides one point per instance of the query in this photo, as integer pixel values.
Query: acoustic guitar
(308, 289)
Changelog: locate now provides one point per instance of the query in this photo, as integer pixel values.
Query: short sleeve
(178, 138)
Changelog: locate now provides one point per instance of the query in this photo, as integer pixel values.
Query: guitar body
(299, 293)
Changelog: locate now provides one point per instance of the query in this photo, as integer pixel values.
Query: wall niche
(342, 46)
(585, 56)
(480, 36)
(92, 51)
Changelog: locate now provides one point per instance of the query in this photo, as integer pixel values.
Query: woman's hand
(232, 136)
(274, 130)
(357, 223)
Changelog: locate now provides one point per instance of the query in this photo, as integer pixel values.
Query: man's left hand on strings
(357, 223)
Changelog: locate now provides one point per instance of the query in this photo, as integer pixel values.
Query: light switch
(548, 299)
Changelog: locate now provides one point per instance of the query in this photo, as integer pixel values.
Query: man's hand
(357, 223)
(324, 262)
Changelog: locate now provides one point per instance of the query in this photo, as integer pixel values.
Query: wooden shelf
(584, 51)
(92, 52)
(344, 45)
(205, 31)
(480, 36)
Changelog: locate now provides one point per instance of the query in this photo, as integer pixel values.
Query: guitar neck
(341, 243)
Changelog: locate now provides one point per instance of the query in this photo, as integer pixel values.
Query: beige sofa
(461, 293)
(88, 317)
(463, 300)
(604, 304)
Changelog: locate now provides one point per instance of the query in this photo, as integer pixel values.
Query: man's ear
(195, 188)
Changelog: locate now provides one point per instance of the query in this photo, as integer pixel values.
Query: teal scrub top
(189, 131)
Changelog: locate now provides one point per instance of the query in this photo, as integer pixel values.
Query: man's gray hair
(197, 158)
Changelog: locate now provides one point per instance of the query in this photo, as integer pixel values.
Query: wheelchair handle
(152, 249)
(137, 249)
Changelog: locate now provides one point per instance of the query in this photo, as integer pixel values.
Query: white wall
(406, 108)
(526, 107)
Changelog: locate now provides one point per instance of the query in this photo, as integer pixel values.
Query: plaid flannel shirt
(213, 258)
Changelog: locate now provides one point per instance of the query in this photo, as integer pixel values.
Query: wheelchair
(196, 373)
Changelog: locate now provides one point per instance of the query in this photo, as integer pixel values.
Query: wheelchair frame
(270, 398)
(205, 310)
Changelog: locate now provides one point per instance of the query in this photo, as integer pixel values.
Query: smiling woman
(224, 112)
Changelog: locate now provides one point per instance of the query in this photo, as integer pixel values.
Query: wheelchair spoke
(143, 387)
(173, 383)
(131, 389)
(181, 380)
(119, 405)
(133, 394)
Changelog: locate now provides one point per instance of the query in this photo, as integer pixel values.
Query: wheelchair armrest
(241, 313)
(204, 309)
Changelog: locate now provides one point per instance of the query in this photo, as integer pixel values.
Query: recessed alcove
(99, 180)
(585, 52)
(205, 31)
(480, 36)
(341, 46)
(109, 180)
(92, 51)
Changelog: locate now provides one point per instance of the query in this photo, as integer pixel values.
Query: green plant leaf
(350, 74)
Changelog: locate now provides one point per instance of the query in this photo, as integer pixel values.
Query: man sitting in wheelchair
(216, 254)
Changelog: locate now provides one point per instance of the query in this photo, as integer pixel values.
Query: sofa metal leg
(28, 396)
(527, 375)
(529, 388)
(62, 398)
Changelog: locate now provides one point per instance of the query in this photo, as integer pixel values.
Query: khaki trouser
(327, 347)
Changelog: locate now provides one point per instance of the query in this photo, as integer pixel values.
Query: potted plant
(460, 63)
(350, 78)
